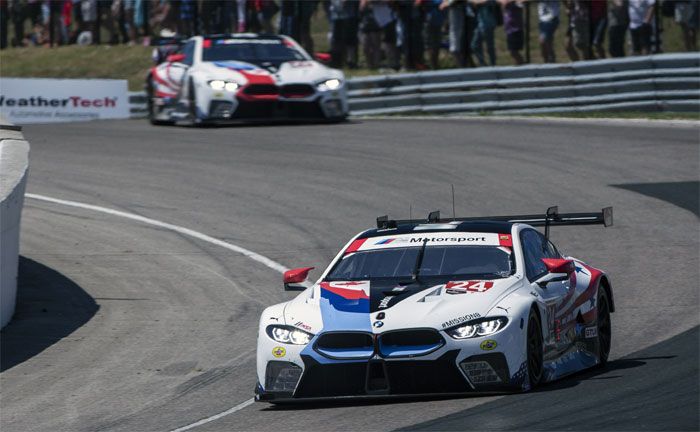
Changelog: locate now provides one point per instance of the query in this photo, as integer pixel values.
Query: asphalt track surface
(122, 326)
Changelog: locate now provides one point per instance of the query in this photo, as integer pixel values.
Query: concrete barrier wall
(14, 169)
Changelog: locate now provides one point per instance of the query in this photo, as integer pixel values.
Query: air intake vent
(345, 345)
(409, 343)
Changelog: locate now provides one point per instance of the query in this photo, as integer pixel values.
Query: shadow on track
(685, 195)
(49, 307)
(653, 389)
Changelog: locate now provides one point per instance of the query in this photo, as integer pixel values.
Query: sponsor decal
(461, 287)
(381, 315)
(399, 288)
(488, 345)
(460, 320)
(591, 332)
(279, 352)
(302, 325)
(384, 303)
(377, 324)
(385, 241)
(505, 240)
(43, 100)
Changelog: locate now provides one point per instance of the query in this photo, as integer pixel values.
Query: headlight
(478, 328)
(289, 335)
(331, 84)
(221, 85)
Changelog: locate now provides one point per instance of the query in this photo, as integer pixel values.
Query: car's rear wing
(551, 218)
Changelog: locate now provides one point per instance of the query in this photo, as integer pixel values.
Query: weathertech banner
(47, 100)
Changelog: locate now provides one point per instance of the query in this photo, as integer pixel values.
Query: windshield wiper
(419, 261)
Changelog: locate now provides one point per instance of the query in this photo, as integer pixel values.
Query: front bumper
(443, 375)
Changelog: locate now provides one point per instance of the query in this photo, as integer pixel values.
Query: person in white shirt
(641, 12)
(548, 13)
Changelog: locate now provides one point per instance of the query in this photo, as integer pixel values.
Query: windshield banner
(433, 239)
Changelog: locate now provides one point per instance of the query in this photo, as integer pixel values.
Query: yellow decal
(279, 351)
(488, 345)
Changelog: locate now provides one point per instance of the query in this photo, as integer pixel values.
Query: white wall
(14, 168)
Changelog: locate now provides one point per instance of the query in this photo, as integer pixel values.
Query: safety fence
(662, 82)
(14, 168)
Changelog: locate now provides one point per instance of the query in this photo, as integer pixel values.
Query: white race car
(438, 307)
(242, 77)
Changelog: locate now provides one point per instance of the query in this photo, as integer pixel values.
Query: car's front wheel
(535, 349)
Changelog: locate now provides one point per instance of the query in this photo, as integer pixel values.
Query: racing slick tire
(151, 107)
(535, 349)
(604, 327)
(192, 104)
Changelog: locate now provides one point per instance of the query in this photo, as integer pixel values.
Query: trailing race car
(241, 77)
(438, 307)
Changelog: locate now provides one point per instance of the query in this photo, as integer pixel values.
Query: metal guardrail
(662, 82)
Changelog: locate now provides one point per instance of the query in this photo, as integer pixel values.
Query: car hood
(382, 306)
(306, 71)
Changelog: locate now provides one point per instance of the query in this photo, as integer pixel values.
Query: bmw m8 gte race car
(223, 78)
(438, 306)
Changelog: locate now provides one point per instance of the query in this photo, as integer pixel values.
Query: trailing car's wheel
(604, 327)
(535, 350)
(192, 102)
(150, 90)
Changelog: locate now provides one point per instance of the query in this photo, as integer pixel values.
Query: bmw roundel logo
(378, 324)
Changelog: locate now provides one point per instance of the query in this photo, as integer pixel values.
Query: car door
(554, 295)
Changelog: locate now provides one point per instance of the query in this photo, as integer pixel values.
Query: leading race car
(241, 77)
(438, 307)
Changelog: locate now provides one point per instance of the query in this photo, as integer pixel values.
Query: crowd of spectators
(394, 34)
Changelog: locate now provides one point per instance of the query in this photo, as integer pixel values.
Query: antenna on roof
(454, 214)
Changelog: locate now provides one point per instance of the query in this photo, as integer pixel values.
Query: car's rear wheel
(150, 94)
(604, 326)
(535, 349)
(192, 102)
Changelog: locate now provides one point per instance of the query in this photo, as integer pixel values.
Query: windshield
(453, 262)
(260, 52)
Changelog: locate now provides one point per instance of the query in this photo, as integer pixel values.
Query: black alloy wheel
(604, 327)
(535, 351)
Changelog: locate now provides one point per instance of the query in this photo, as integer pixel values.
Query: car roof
(469, 226)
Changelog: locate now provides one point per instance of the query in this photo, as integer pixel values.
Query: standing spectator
(486, 21)
(514, 28)
(344, 17)
(641, 14)
(289, 19)
(687, 15)
(456, 15)
(129, 24)
(409, 31)
(599, 23)
(619, 21)
(4, 14)
(185, 23)
(578, 33)
(371, 34)
(548, 14)
(18, 14)
(386, 19)
(434, 21)
(88, 9)
(307, 9)
(266, 10)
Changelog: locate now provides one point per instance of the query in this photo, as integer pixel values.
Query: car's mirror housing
(558, 270)
(294, 278)
(174, 58)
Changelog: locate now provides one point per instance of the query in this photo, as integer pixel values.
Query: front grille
(345, 345)
(297, 90)
(261, 90)
(409, 343)
(392, 377)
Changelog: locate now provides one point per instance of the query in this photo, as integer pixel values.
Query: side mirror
(558, 270)
(324, 58)
(295, 277)
(174, 58)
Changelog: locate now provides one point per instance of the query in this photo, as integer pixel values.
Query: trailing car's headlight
(289, 335)
(478, 328)
(221, 85)
(331, 84)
